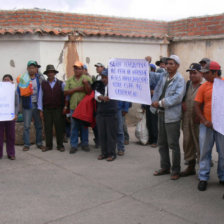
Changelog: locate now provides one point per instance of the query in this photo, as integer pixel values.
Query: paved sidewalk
(58, 188)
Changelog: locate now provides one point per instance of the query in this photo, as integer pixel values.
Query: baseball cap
(152, 66)
(85, 67)
(175, 58)
(212, 65)
(78, 64)
(194, 67)
(31, 62)
(105, 72)
(99, 65)
(206, 60)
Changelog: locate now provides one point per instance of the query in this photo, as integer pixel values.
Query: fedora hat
(50, 68)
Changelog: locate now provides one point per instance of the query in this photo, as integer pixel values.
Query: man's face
(209, 76)
(51, 75)
(172, 66)
(162, 65)
(78, 71)
(195, 76)
(99, 69)
(104, 79)
(32, 70)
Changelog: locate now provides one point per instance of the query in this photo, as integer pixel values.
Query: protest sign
(218, 106)
(7, 101)
(129, 80)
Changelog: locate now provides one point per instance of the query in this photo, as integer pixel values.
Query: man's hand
(208, 124)
(155, 104)
(15, 118)
(84, 81)
(124, 113)
(41, 115)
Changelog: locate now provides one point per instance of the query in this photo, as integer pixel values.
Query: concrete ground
(58, 188)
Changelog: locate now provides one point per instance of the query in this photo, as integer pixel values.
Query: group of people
(54, 103)
(173, 100)
(175, 104)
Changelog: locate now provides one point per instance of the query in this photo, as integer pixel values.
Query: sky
(166, 10)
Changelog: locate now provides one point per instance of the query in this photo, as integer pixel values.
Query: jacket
(26, 100)
(173, 96)
(85, 110)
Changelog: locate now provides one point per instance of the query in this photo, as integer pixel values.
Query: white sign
(129, 80)
(7, 101)
(218, 106)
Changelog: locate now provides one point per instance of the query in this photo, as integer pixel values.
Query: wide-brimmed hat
(50, 68)
(162, 60)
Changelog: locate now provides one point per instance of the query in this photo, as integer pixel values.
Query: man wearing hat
(99, 69)
(29, 104)
(207, 135)
(167, 100)
(204, 61)
(77, 87)
(161, 64)
(190, 120)
(50, 104)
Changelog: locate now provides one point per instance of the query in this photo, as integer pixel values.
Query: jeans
(120, 132)
(76, 127)
(168, 138)
(28, 114)
(207, 138)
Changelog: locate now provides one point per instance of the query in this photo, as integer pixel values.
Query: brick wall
(201, 26)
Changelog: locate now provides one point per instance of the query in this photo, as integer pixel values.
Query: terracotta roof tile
(57, 23)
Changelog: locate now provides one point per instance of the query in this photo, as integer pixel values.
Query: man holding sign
(167, 100)
(208, 136)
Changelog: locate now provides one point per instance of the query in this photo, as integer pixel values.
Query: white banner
(218, 106)
(7, 101)
(129, 80)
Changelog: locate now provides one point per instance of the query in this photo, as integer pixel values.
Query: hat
(78, 64)
(194, 67)
(31, 62)
(50, 68)
(38, 66)
(152, 66)
(99, 65)
(85, 67)
(212, 65)
(105, 72)
(175, 58)
(206, 60)
(162, 60)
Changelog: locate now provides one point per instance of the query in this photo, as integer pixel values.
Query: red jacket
(85, 110)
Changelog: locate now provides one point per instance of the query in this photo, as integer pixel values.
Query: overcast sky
(146, 9)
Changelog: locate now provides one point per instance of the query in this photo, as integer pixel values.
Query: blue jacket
(173, 96)
(26, 100)
(123, 106)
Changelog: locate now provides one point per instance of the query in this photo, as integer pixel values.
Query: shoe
(101, 157)
(175, 176)
(41, 147)
(12, 157)
(111, 158)
(73, 150)
(154, 145)
(85, 148)
(221, 182)
(202, 185)
(45, 149)
(26, 148)
(126, 142)
(120, 153)
(161, 172)
(61, 149)
(190, 170)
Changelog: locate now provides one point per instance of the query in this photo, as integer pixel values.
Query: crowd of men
(68, 106)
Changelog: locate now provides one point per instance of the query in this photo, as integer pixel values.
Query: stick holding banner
(129, 80)
(7, 101)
